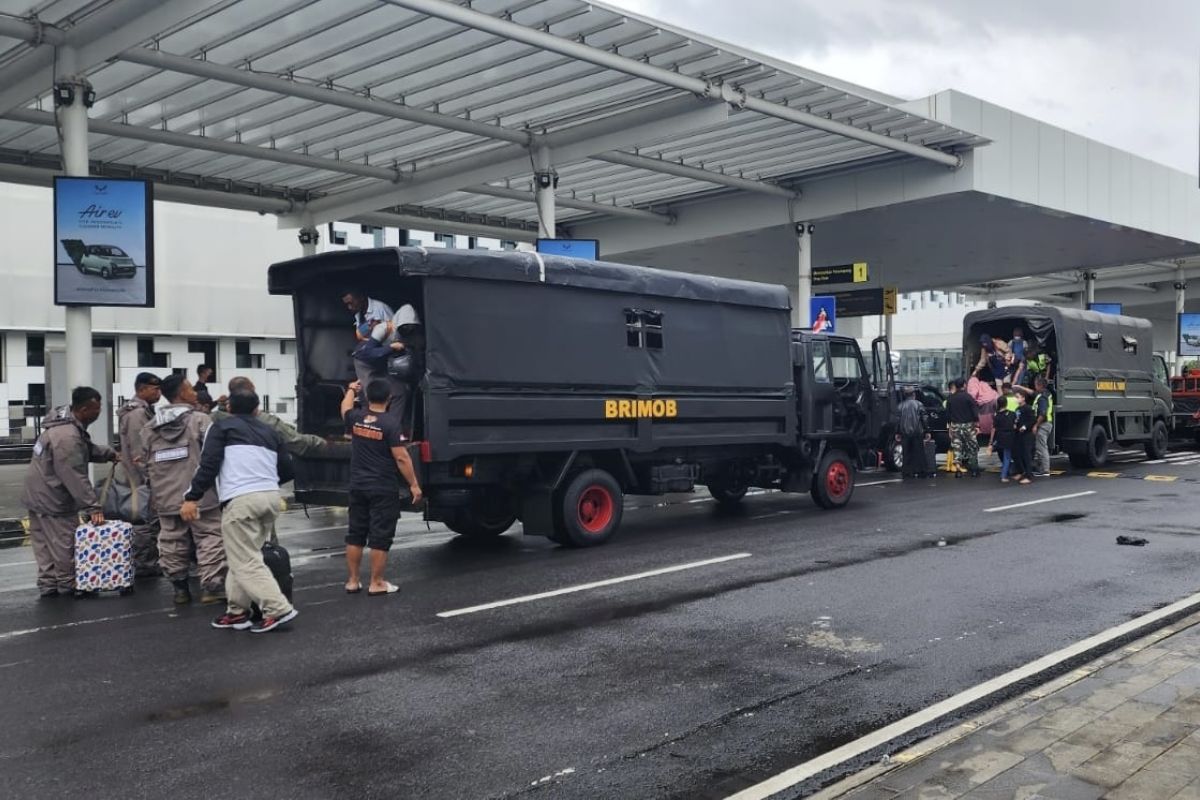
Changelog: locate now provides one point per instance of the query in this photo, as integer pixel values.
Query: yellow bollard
(950, 466)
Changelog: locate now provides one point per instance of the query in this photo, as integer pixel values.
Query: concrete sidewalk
(1126, 726)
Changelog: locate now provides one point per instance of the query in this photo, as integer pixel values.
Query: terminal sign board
(103, 242)
(866, 302)
(841, 273)
(572, 248)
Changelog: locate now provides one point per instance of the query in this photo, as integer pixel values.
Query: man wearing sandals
(378, 459)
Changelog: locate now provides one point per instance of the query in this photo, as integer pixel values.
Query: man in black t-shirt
(378, 460)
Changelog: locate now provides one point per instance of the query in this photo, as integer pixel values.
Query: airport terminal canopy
(431, 113)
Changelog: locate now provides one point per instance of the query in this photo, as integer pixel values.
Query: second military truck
(555, 386)
(1108, 385)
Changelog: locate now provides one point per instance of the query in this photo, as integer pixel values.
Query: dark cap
(146, 379)
(985, 339)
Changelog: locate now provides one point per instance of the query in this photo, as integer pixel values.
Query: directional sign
(889, 300)
(841, 273)
(859, 302)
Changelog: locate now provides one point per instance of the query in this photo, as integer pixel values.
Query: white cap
(407, 315)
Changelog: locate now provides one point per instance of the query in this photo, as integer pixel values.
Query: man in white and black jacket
(247, 461)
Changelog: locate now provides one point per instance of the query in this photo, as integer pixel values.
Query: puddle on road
(1066, 517)
(210, 706)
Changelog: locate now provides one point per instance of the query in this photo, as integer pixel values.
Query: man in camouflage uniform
(964, 428)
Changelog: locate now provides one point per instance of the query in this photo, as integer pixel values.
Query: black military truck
(554, 386)
(1109, 386)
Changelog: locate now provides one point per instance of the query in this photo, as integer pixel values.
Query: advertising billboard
(1189, 334)
(1105, 308)
(824, 314)
(571, 248)
(103, 242)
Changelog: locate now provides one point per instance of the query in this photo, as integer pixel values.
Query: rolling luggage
(930, 457)
(104, 557)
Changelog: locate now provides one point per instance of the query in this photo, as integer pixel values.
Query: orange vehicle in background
(1185, 397)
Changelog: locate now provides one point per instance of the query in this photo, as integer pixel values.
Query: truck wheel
(486, 518)
(727, 491)
(1097, 448)
(893, 455)
(591, 505)
(1156, 447)
(833, 483)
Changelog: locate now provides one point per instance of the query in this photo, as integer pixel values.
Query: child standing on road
(1002, 439)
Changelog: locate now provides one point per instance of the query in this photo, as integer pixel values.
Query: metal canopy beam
(222, 146)
(568, 145)
(96, 39)
(468, 17)
(569, 202)
(317, 94)
(693, 173)
(384, 219)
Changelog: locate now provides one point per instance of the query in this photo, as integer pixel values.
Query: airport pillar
(1089, 289)
(73, 124)
(545, 181)
(1180, 307)
(804, 237)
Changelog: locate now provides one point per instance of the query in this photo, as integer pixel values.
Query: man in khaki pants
(247, 461)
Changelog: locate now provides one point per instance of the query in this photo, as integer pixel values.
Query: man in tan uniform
(57, 489)
(171, 447)
(132, 419)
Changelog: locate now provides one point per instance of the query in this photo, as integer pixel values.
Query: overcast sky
(1125, 72)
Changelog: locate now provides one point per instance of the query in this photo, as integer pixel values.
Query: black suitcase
(280, 563)
(930, 456)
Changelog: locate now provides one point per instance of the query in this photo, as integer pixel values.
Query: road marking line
(17, 564)
(1162, 478)
(802, 772)
(879, 483)
(78, 623)
(1037, 502)
(529, 598)
(1104, 474)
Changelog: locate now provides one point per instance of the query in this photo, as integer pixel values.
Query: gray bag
(120, 500)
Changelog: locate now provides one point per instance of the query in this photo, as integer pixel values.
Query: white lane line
(14, 634)
(802, 772)
(583, 587)
(17, 564)
(878, 483)
(1037, 502)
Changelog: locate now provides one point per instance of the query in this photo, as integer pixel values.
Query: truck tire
(727, 490)
(1156, 445)
(1097, 448)
(591, 507)
(893, 455)
(486, 518)
(833, 483)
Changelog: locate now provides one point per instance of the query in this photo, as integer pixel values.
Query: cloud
(1124, 73)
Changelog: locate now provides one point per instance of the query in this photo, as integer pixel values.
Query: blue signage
(103, 242)
(571, 248)
(1106, 308)
(823, 314)
(1189, 334)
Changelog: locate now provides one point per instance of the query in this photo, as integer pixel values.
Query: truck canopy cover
(1125, 343)
(521, 267)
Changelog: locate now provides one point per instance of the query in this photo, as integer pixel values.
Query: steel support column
(545, 181)
(73, 122)
(801, 314)
(1089, 288)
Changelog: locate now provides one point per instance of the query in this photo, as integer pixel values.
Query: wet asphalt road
(691, 684)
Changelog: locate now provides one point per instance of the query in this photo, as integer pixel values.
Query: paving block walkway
(1125, 727)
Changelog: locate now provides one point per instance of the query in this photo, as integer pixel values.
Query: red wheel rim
(595, 509)
(837, 479)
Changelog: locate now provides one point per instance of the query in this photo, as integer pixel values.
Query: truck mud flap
(537, 511)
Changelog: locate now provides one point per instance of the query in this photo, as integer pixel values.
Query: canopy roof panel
(343, 107)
